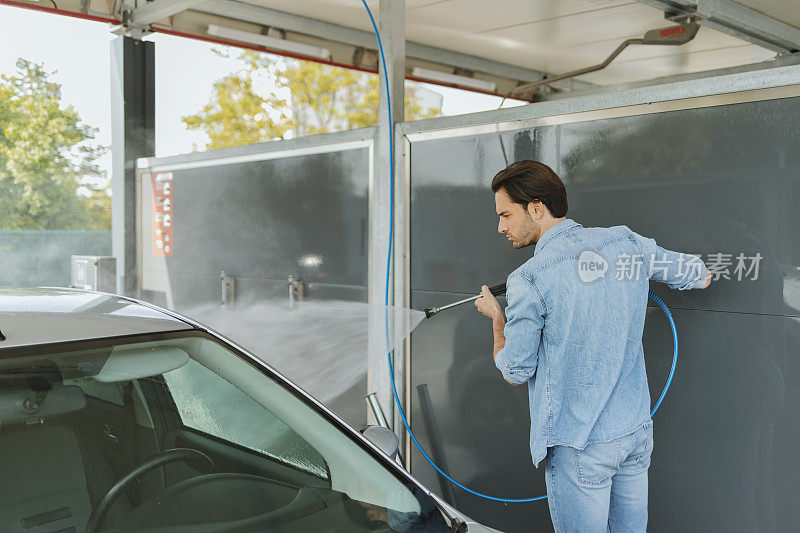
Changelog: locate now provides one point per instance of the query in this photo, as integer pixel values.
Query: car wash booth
(680, 143)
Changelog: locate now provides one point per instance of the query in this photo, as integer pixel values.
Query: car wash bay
(707, 174)
(695, 146)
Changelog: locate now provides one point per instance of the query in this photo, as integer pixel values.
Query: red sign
(162, 214)
(669, 32)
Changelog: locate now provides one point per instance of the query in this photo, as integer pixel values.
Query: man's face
(515, 222)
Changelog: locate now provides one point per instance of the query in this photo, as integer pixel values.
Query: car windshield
(180, 431)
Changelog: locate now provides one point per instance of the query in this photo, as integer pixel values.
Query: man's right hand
(488, 305)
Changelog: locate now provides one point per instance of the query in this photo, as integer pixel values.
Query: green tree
(238, 115)
(318, 99)
(49, 178)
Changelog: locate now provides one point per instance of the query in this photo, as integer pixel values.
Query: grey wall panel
(262, 221)
(455, 245)
(730, 194)
(711, 180)
(725, 437)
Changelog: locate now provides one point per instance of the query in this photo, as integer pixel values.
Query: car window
(180, 431)
(211, 405)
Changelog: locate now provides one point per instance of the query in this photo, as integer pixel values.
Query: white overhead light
(272, 43)
(453, 79)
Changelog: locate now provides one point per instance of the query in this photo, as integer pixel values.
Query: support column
(391, 17)
(133, 136)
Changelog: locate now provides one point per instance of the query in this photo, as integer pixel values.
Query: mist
(321, 345)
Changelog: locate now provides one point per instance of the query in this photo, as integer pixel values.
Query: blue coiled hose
(652, 296)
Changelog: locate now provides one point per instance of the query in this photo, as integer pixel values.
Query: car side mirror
(384, 439)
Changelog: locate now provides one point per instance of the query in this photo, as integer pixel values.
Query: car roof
(48, 315)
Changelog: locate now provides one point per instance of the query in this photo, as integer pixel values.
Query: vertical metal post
(392, 29)
(133, 136)
(403, 284)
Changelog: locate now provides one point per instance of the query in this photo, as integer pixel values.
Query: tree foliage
(48, 170)
(315, 98)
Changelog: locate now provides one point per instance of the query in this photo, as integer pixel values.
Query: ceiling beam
(158, 9)
(761, 26)
(241, 11)
(735, 19)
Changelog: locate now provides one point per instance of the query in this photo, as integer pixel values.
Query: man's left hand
(487, 304)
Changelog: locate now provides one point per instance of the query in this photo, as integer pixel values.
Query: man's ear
(533, 208)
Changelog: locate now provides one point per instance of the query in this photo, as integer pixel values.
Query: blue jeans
(602, 487)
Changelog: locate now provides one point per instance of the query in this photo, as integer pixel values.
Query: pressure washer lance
(497, 290)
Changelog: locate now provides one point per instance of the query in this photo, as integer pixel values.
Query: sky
(78, 52)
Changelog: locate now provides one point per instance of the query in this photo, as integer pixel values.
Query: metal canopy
(507, 42)
(159, 9)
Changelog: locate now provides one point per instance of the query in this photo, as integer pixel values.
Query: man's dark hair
(529, 181)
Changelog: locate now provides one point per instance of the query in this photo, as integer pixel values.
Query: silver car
(116, 415)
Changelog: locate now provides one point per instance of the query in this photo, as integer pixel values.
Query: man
(572, 331)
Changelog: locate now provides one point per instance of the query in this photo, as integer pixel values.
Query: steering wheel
(195, 459)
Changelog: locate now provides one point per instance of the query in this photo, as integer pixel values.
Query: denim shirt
(575, 319)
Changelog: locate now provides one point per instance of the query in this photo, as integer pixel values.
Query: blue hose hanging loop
(436, 467)
(653, 296)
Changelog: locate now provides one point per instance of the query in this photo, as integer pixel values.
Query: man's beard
(529, 234)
